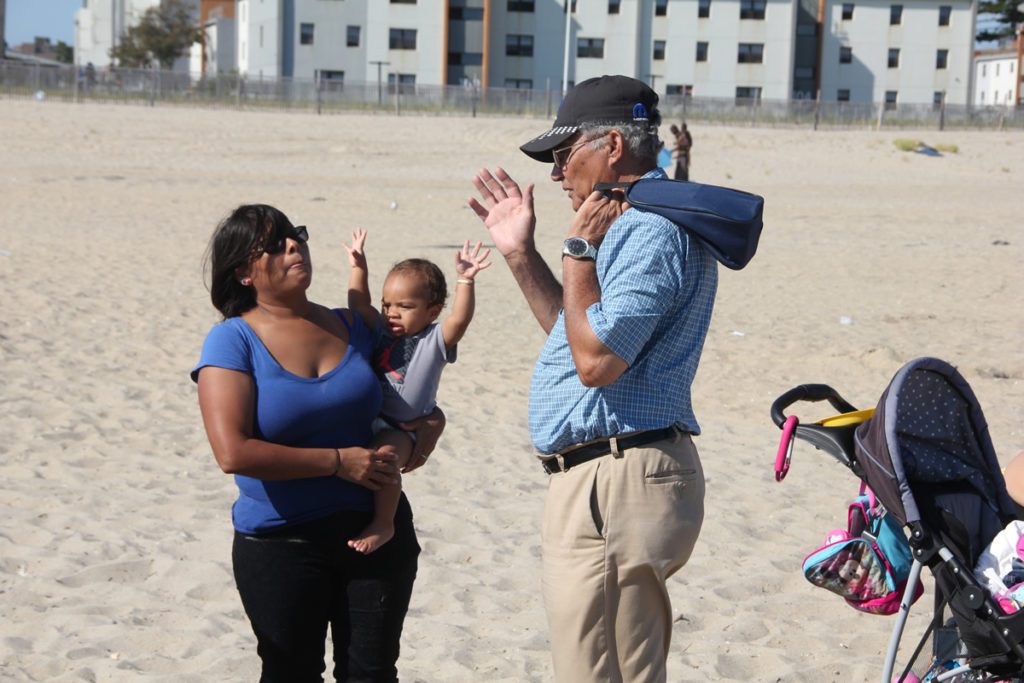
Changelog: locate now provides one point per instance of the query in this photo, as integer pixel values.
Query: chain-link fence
(147, 86)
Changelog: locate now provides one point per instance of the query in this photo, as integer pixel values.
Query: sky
(53, 19)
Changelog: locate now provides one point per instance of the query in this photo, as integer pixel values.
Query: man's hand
(507, 211)
(428, 430)
(596, 215)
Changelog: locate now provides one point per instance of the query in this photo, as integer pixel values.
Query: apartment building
(997, 78)
(907, 51)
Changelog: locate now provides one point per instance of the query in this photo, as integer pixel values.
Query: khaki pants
(615, 529)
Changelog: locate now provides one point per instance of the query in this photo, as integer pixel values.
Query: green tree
(1006, 13)
(65, 53)
(162, 35)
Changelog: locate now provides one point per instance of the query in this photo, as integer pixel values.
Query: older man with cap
(610, 407)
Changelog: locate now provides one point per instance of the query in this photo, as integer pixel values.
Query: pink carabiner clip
(785, 453)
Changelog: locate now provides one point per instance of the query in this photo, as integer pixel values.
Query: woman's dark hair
(430, 276)
(238, 240)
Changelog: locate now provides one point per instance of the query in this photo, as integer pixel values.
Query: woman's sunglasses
(298, 233)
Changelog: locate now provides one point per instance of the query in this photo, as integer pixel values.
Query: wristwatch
(579, 248)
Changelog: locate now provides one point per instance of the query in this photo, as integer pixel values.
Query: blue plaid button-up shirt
(657, 291)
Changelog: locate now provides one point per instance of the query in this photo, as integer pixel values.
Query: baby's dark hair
(430, 276)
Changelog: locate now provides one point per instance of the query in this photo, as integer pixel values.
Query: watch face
(576, 247)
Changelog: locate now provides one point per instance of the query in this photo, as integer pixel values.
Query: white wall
(918, 38)
(995, 77)
(260, 26)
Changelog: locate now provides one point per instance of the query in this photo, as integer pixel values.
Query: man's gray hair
(641, 139)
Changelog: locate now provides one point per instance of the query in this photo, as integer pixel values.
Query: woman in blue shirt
(288, 396)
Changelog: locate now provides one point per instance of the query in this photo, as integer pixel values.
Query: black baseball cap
(601, 100)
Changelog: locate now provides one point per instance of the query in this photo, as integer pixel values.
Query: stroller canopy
(928, 434)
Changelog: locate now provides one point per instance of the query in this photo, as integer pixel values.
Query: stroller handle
(808, 392)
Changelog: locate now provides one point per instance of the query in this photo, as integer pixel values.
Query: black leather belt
(563, 462)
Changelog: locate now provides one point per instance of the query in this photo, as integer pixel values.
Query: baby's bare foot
(372, 537)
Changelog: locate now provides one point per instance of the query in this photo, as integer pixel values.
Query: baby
(411, 354)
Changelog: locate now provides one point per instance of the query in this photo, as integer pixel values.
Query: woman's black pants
(295, 582)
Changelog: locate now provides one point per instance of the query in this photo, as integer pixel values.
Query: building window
(945, 12)
(895, 15)
(518, 45)
(890, 99)
(590, 47)
(613, 6)
(402, 39)
(804, 72)
(333, 76)
(750, 53)
(519, 83)
(941, 58)
(894, 58)
(466, 13)
(352, 36)
(659, 50)
(465, 58)
(845, 54)
(807, 29)
(843, 95)
(520, 5)
(847, 11)
(702, 51)
(747, 94)
(752, 9)
(660, 8)
(703, 9)
(306, 34)
(684, 90)
(937, 99)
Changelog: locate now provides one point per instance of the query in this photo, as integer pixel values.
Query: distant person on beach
(681, 151)
(609, 401)
(410, 354)
(288, 398)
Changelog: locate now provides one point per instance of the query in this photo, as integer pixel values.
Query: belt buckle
(554, 463)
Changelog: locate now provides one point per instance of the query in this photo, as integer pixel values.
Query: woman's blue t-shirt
(335, 410)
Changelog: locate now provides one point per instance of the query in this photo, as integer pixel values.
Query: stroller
(926, 454)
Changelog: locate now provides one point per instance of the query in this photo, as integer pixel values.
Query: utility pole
(3, 27)
(565, 64)
(380, 92)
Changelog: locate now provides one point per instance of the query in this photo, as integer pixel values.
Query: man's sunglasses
(562, 155)
(298, 233)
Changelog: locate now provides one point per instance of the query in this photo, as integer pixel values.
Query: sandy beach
(115, 533)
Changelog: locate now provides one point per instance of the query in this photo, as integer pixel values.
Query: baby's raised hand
(356, 253)
(469, 262)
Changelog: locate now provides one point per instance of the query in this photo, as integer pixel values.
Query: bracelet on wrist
(464, 281)
(337, 462)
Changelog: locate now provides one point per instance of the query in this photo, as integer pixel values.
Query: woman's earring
(246, 281)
